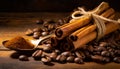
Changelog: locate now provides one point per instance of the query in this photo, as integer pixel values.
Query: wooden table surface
(13, 24)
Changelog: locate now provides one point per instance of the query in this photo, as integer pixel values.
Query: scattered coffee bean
(37, 54)
(45, 60)
(100, 49)
(37, 30)
(23, 58)
(63, 59)
(106, 60)
(57, 51)
(105, 53)
(70, 59)
(78, 60)
(67, 53)
(58, 58)
(53, 56)
(116, 59)
(44, 33)
(40, 21)
(103, 44)
(15, 55)
(36, 35)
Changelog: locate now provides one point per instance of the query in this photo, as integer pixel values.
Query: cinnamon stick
(85, 19)
(110, 27)
(79, 34)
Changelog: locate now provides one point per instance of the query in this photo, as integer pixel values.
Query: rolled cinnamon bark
(85, 19)
(79, 34)
(110, 27)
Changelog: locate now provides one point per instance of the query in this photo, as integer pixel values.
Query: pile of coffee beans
(105, 51)
(48, 27)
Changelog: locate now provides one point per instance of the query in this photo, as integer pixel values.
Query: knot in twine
(99, 20)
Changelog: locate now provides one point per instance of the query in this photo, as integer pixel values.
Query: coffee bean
(40, 21)
(50, 27)
(103, 44)
(57, 51)
(106, 59)
(29, 32)
(100, 49)
(45, 60)
(116, 59)
(37, 30)
(97, 58)
(117, 52)
(36, 35)
(44, 29)
(37, 54)
(67, 53)
(78, 54)
(23, 58)
(15, 55)
(62, 58)
(44, 33)
(70, 59)
(78, 60)
(105, 53)
(53, 56)
(58, 58)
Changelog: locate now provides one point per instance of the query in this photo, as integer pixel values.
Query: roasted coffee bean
(117, 52)
(58, 57)
(105, 53)
(37, 30)
(40, 21)
(53, 56)
(116, 59)
(97, 58)
(63, 58)
(78, 54)
(57, 51)
(15, 55)
(29, 32)
(36, 35)
(105, 59)
(100, 48)
(70, 59)
(46, 60)
(37, 54)
(23, 58)
(44, 33)
(103, 44)
(78, 60)
(67, 53)
(50, 27)
(44, 29)
(97, 53)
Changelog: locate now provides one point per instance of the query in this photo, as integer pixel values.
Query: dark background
(51, 5)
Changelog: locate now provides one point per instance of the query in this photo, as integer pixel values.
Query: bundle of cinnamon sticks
(84, 30)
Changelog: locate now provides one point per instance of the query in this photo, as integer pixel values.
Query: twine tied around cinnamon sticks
(99, 20)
